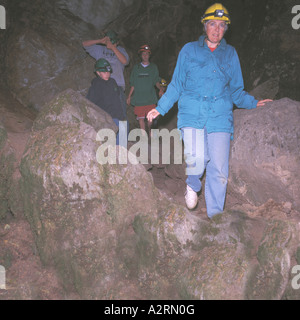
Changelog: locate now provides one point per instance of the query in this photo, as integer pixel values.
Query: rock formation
(265, 154)
(102, 226)
(105, 231)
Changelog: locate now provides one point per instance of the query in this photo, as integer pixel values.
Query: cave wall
(271, 51)
(41, 52)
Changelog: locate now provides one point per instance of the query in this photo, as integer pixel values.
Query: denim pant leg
(195, 155)
(218, 144)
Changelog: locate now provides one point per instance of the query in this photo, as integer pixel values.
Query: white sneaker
(191, 198)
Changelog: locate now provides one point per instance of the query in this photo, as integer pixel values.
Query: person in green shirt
(144, 78)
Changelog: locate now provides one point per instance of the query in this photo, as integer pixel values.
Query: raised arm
(116, 51)
(89, 43)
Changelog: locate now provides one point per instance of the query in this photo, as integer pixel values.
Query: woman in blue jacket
(207, 81)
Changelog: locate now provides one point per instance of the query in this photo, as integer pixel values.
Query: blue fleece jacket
(206, 85)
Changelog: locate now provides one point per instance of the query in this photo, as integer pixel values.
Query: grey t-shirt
(100, 51)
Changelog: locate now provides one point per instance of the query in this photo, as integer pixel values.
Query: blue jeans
(208, 151)
(124, 129)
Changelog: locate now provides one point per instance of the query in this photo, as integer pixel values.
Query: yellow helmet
(216, 12)
(163, 83)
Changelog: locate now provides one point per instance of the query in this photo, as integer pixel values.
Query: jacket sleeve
(240, 97)
(175, 87)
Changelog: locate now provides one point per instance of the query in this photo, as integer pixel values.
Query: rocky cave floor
(26, 277)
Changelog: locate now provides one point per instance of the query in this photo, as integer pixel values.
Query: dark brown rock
(264, 161)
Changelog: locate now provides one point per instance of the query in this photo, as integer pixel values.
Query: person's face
(215, 30)
(145, 56)
(104, 75)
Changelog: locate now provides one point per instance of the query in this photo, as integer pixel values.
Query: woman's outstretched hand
(263, 102)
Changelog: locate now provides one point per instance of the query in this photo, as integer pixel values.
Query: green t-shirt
(143, 79)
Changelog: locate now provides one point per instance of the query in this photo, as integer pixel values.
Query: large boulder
(111, 234)
(264, 162)
(183, 256)
(43, 56)
(81, 211)
(15, 126)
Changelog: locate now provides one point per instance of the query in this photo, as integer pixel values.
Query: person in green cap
(108, 48)
(105, 93)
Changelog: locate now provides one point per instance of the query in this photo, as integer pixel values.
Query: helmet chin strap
(207, 40)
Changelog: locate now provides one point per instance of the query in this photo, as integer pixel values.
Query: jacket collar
(202, 42)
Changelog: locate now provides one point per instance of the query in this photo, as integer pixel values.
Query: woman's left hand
(263, 102)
